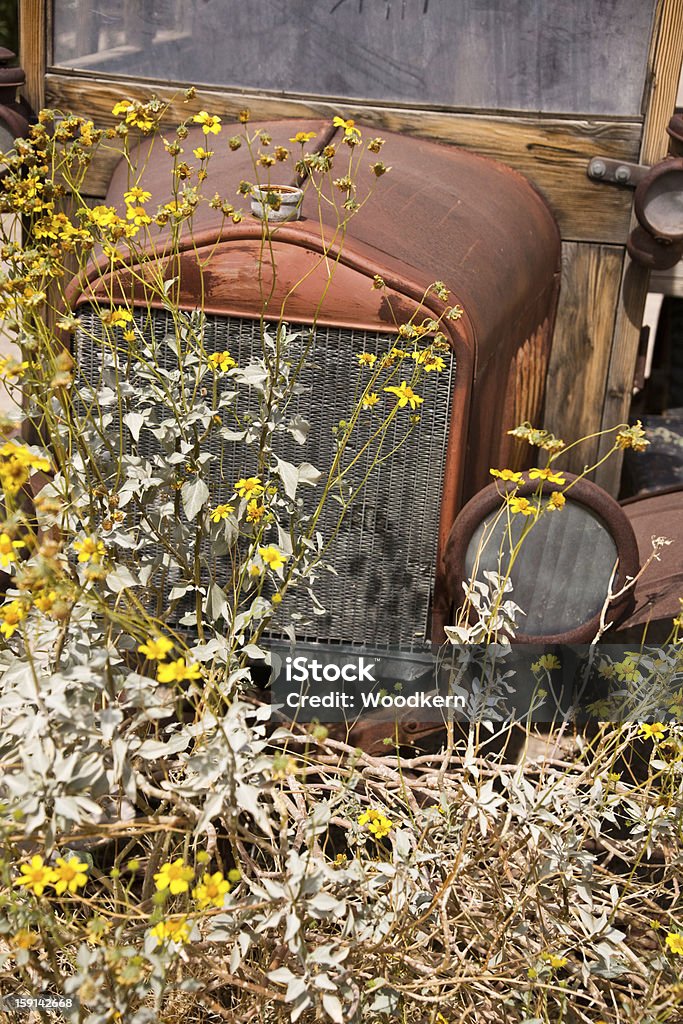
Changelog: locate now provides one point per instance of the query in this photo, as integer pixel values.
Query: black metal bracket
(616, 172)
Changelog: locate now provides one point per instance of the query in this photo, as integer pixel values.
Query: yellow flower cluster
(111, 226)
(632, 437)
(429, 360)
(375, 822)
(90, 549)
(66, 875)
(138, 115)
(538, 438)
(16, 463)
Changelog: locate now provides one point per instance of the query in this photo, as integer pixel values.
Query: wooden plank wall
(666, 57)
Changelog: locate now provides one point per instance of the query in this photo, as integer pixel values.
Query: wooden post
(666, 56)
(33, 50)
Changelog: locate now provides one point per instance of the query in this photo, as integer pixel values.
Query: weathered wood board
(579, 359)
(552, 152)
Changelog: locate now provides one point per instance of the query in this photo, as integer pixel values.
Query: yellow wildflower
(366, 359)
(12, 615)
(14, 475)
(376, 823)
(122, 107)
(632, 437)
(138, 116)
(249, 487)
(370, 399)
(405, 395)
(24, 456)
(45, 601)
(652, 731)
(35, 875)
(24, 939)
(103, 216)
(11, 369)
(221, 512)
(255, 512)
(156, 648)
(202, 154)
(90, 549)
(174, 929)
(71, 874)
(303, 137)
(116, 317)
(546, 661)
(222, 361)
(211, 890)
(351, 133)
(556, 501)
(177, 671)
(547, 474)
(555, 961)
(174, 876)
(433, 362)
(627, 670)
(138, 215)
(506, 474)
(8, 549)
(674, 941)
(522, 505)
(211, 125)
(272, 556)
(137, 195)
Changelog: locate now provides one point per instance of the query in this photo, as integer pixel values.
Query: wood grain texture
(666, 59)
(552, 152)
(33, 49)
(591, 276)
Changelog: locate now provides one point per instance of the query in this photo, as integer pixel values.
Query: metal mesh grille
(384, 553)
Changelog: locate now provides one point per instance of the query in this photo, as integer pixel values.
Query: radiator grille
(385, 552)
